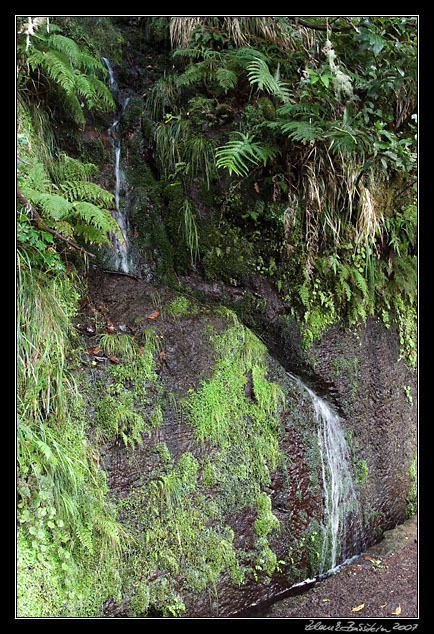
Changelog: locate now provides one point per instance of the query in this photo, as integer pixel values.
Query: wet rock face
(229, 515)
(360, 372)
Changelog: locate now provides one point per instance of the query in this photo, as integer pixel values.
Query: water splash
(340, 524)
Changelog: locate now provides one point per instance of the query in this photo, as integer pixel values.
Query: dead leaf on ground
(358, 608)
(109, 325)
(374, 561)
(153, 315)
(397, 612)
(114, 359)
(94, 350)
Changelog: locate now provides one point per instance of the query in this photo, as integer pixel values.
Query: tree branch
(35, 215)
(323, 27)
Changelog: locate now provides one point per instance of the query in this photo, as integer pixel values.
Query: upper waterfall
(120, 257)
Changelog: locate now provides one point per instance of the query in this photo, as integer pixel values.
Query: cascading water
(120, 257)
(341, 526)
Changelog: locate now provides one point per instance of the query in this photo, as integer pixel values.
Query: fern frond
(101, 93)
(56, 65)
(87, 62)
(297, 130)
(236, 152)
(68, 168)
(85, 536)
(96, 217)
(92, 235)
(84, 190)
(67, 46)
(259, 73)
(53, 205)
(226, 78)
(360, 281)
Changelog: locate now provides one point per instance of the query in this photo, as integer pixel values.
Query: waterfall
(120, 257)
(341, 527)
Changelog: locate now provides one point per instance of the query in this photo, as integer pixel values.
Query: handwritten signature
(353, 626)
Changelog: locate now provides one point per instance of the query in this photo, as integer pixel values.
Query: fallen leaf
(114, 359)
(256, 186)
(358, 608)
(109, 325)
(324, 600)
(374, 561)
(397, 612)
(94, 350)
(153, 315)
(140, 350)
(93, 363)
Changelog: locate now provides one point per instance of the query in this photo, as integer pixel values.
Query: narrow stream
(120, 257)
(341, 525)
(342, 541)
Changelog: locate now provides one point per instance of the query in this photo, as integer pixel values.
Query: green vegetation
(322, 124)
(412, 494)
(275, 147)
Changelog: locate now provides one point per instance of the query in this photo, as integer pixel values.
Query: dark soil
(383, 580)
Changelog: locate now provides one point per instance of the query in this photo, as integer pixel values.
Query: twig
(35, 215)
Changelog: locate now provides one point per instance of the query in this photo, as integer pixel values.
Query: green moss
(412, 494)
(226, 254)
(265, 520)
(124, 410)
(349, 369)
(182, 541)
(178, 306)
(361, 471)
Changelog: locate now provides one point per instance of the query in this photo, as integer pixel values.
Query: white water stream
(339, 496)
(120, 257)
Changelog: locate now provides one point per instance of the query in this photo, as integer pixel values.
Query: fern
(85, 536)
(297, 130)
(74, 205)
(56, 66)
(226, 78)
(96, 217)
(66, 46)
(54, 206)
(74, 72)
(360, 282)
(259, 73)
(234, 155)
(303, 293)
(79, 190)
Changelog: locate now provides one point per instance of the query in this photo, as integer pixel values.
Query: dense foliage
(320, 120)
(299, 137)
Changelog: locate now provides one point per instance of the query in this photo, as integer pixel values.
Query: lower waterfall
(341, 525)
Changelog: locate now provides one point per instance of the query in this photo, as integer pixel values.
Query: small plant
(408, 396)
(120, 346)
(234, 155)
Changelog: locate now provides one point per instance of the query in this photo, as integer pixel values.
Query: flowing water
(120, 257)
(341, 525)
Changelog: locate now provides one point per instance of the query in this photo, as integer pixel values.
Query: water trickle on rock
(120, 258)
(341, 524)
